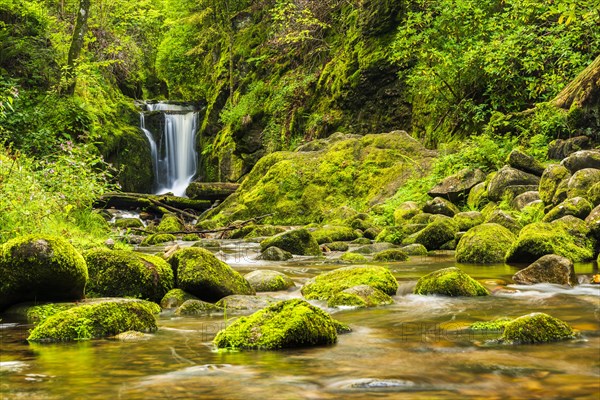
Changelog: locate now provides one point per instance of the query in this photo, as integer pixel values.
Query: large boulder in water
(98, 320)
(40, 268)
(456, 187)
(286, 324)
(359, 296)
(200, 273)
(298, 241)
(325, 285)
(484, 244)
(548, 269)
(449, 282)
(263, 280)
(124, 273)
(509, 177)
(536, 328)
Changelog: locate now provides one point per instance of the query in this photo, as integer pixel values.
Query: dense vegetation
(274, 74)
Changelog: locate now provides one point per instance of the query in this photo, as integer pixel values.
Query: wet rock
(406, 211)
(390, 255)
(536, 328)
(269, 281)
(422, 218)
(582, 159)
(524, 199)
(298, 241)
(484, 244)
(337, 246)
(372, 233)
(414, 249)
(158, 238)
(434, 235)
(449, 282)
(456, 188)
(580, 183)
(125, 223)
(359, 296)
(467, 220)
(40, 268)
(593, 194)
(559, 148)
(506, 220)
(577, 207)
(286, 324)
(374, 248)
(200, 273)
(353, 258)
(131, 336)
(508, 177)
(244, 302)
(207, 243)
(478, 196)
(548, 269)
(175, 298)
(274, 253)
(169, 224)
(124, 273)
(327, 284)
(197, 307)
(524, 162)
(440, 206)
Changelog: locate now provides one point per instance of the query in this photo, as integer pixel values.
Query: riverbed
(417, 348)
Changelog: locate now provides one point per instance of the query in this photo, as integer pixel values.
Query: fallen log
(155, 204)
(210, 190)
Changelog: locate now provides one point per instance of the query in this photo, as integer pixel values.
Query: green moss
(449, 282)
(275, 254)
(175, 298)
(434, 235)
(241, 302)
(269, 281)
(353, 258)
(390, 255)
(496, 325)
(322, 287)
(96, 321)
(415, 250)
(478, 197)
(124, 273)
(469, 219)
(299, 241)
(40, 267)
(577, 207)
(158, 238)
(536, 328)
(125, 223)
(197, 307)
(328, 234)
(286, 324)
(199, 272)
(405, 212)
(593, 194)
(169, 223)
(39, 313)
(391, 234)
(190, 237)
(337, 246)
(553, 175)
(360, 296)
(484, 244)
(541, 238)
(254, 231)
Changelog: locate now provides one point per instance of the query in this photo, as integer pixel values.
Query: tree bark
(583, 90)
(77, 44)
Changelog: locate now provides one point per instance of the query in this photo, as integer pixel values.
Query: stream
(417, 348)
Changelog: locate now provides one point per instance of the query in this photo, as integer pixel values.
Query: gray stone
(441, 206)
(269, 281)
(524, 162)
(508, 177)
(552, 177)
(456, 187)
(275, 254)
(550, 268)
(582, 159)
(581, 182)
(506, 220)
(524, 199)
(559, 148)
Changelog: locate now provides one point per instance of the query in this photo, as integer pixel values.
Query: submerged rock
(93, 321)
(175, 298)
(449, 282)
(327, 284)
(268, 281)
(40, 268)
(239, 302)
(199, 272)
(298, 241)
(286, 324)
(536, 328)
(360, 296)
(484, 244)
(274, 253)
(197, 307)
(548, 269)
(124, 273)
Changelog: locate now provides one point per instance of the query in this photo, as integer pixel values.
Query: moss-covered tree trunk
(583, 91)
(77, 44)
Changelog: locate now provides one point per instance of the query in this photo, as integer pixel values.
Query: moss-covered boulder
(504, 219)
(337, 246)
(434, 235)
(199, 272)
(360, 296)
(390, 255)
(197, 307)
(553, 175)
(406, 211)
(580, 183)
(468, 219)
(256, 231)
(548, 269)
(334, 233)
(496, 325)
(354, 258)
(524, 162)
(374, 248)
(393, 234)
(456, 187)
(582, 159)
(241, 302)
(158, 238)
(124, 273)
(484, 244)
(577, 207)
(414, 249)
(40, 268)
(440, 206)
(169, 223)
(536, 328)
(449, 282)
(125, 223)
(478, 196)
(99, 320)
(327, 284)
(525, 199)
(286, 324)
(298, 241)
(175, 298)
(593, 194)
(541, 238)
(263, 280)
(508, 177)
(274, 253)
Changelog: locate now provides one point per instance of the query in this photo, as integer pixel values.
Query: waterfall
(174, 157)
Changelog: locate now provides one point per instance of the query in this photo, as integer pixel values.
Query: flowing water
(417, 348)
(174, 157)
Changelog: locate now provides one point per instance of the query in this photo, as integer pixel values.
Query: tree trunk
(582, 91)
(77, 44)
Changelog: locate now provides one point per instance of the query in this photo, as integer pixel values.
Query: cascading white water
(174, 157)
